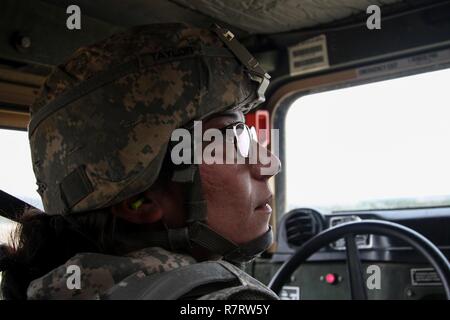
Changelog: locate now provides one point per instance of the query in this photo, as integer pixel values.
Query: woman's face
(238, 195)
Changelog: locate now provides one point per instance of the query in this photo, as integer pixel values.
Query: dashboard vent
(301, 225)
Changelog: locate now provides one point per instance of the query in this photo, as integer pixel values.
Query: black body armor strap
(188, 282)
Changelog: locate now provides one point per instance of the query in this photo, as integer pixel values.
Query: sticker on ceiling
(308, 56)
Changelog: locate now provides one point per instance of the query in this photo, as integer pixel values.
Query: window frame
(286, 94)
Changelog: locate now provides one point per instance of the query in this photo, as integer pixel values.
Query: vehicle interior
(359, 100)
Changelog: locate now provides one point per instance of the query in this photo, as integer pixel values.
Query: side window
(6, 229)
(16, 171)
(16, 176)
(381, 145)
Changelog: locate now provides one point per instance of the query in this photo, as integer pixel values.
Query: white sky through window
(16, 172)
(381, 141)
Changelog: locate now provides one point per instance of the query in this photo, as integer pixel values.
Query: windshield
(383, 145)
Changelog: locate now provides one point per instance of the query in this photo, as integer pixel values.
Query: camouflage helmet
(100, 127)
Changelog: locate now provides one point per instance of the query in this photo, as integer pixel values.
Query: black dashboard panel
(405, 273)
(433, 223)
(309, 283)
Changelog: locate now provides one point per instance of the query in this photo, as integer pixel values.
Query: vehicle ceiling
(244, 16)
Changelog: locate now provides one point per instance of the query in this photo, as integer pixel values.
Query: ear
(149, 211)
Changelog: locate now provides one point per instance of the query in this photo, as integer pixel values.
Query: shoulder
(96, 273)
(203, 280)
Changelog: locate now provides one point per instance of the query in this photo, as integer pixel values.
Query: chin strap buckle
(256, 72)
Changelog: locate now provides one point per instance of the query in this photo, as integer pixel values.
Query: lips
(265, 209)
(264, 206)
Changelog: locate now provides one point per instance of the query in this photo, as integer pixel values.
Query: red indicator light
(330, 278)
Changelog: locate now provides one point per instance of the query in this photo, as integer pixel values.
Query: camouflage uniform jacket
(100, 274)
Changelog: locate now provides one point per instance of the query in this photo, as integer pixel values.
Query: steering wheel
(348, 231)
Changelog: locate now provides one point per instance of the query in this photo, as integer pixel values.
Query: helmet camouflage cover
(100, 127)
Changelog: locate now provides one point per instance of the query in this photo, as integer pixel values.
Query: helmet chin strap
(197, 232)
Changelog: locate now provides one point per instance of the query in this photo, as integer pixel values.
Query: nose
(267, 163)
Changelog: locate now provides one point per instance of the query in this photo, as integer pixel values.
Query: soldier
(134, 224)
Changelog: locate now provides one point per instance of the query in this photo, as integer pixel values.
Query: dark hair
(42, 242)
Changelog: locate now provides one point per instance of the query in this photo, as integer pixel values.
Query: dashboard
(393, 270)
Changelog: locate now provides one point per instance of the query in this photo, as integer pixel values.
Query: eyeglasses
(243, 136)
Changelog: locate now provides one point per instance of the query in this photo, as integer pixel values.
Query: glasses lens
(243, 139)
(253, 134)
